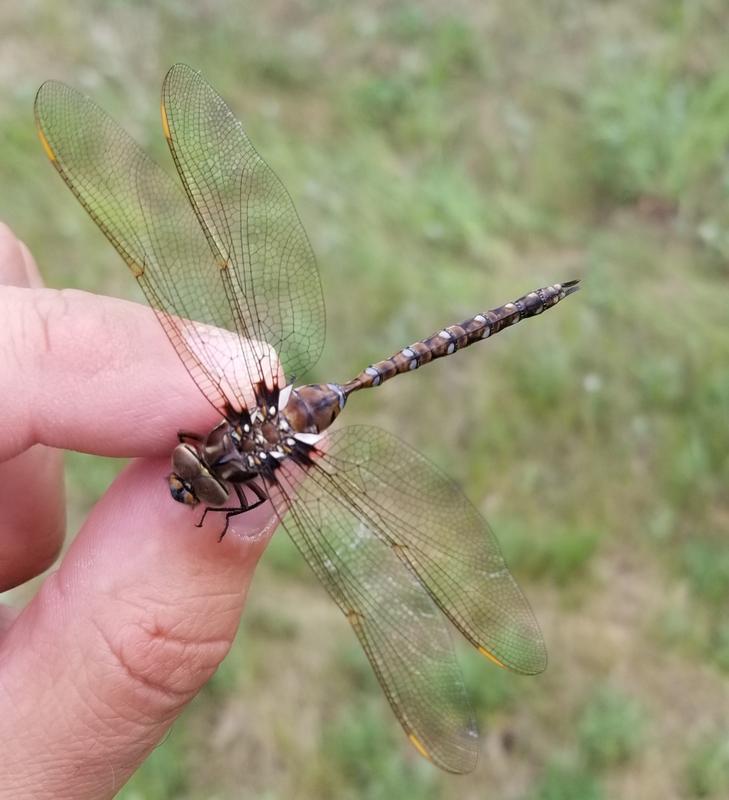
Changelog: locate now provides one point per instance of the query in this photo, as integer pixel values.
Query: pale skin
(143, 606)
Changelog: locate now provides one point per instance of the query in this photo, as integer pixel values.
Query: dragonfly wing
(146, 216)
(424, 518)
(249, 219)
(404, 635)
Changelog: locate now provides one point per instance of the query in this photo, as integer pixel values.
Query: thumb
(139, 615)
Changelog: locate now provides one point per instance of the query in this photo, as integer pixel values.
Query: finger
(35, 281)
(8, 616)
(33, 518)
(117, 641)
(13, 267)
(90, 373)
(31, 532)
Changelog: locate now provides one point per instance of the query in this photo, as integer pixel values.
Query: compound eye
(186, 463)
(181, 490)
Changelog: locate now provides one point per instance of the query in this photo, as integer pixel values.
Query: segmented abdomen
(456, 337)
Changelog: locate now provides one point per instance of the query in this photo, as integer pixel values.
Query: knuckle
(158, 671)
(47, 319)
(61, 321)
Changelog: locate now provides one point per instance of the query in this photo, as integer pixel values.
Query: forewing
(148, 219)
(249, 219)
(403, 633)
(424, 518)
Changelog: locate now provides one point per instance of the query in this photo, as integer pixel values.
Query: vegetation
(445, 161)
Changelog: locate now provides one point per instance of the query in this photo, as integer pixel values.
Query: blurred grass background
(445, 161)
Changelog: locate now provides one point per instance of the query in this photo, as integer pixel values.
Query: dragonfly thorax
(262, 440)
(249, 444)
(230, 453)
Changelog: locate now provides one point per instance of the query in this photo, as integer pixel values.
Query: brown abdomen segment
(455, 337)
(313, 408)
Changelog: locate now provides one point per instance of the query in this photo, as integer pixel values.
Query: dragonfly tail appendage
(571, 287)
(455, 337)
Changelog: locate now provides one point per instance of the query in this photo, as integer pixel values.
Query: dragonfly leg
(244, 504)
(241, 508)
(186, 436)
(258, 492)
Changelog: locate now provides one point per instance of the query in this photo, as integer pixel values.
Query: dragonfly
(223, 259)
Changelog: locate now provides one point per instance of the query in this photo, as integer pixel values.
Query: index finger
(91, 373)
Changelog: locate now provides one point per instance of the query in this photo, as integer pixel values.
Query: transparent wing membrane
(400, 628)
(149, 220)
(267, 264)
(424, 518)
(395, 542)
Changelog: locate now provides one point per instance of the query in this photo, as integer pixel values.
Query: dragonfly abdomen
(455, 337)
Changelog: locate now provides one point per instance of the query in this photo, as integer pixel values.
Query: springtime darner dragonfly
(394, 541)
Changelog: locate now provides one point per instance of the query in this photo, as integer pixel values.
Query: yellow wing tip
(47, 149)
(418, 745)
(165, 123)
(491, 657)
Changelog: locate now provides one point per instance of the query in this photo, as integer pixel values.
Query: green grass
(706, 564)
(560, 555)
(563, 780)
(443, 163)
(361, 758)
(707, 768)
(161, 776)
(611, 729)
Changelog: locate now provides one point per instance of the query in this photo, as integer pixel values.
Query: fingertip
(33, 276)
(98, 375)
(138, 513)
(13, 270)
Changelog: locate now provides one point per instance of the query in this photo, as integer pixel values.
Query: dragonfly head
(181, 490)
(191, 482)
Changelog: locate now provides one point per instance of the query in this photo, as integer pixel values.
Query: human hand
(144, 605)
